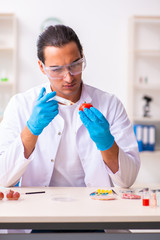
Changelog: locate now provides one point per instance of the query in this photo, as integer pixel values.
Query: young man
(46, 143)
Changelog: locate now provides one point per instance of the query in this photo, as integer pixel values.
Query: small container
(145, 197)
(158, 197)
(153, 198)
(3, 77)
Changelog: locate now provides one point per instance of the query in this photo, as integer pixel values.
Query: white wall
(102, 27)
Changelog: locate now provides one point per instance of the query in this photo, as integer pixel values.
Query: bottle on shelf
(3, 76)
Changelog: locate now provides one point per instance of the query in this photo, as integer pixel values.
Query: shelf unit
(144, 71)
(144, 62)
(8, 58)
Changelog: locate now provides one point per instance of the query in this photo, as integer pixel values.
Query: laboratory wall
(102, 27)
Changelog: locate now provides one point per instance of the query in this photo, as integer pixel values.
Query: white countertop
(73, 205)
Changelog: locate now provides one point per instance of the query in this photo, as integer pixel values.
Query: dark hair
(57, 36)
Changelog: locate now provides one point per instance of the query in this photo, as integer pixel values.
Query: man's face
(68, 87)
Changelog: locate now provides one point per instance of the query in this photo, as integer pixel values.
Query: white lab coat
(37, 169)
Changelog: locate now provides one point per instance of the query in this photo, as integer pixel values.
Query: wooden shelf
(153, 154)
(147, 19)
(147, 52)
(147, 86)
(146, 120)
(6, 84)
(7, 15)
(6, 48)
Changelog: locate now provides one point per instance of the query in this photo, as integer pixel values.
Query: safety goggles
(61, 72)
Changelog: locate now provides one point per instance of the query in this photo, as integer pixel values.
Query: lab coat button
(59, 133)
(52, 160)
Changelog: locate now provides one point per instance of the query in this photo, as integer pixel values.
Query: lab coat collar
(85, 96)
(48, 88)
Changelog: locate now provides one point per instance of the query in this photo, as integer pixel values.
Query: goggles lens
(74, 68)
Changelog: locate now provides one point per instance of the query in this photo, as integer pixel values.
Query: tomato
(85, 105)
(1, 195)
(11, 195)
(16, 195)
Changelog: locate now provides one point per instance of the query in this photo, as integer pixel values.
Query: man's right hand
(43, 113)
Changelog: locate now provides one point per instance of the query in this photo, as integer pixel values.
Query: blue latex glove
(98, 128)
(43, 113)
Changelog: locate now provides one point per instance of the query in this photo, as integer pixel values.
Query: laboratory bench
(71, 213)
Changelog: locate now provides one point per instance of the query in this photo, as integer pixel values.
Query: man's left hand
(98, 128)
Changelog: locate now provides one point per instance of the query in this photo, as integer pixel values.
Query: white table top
(73, 205)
